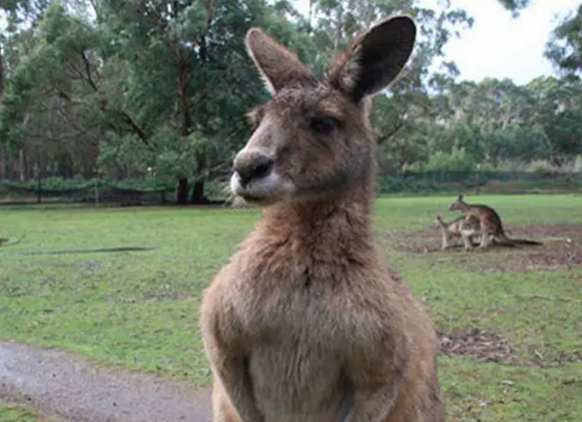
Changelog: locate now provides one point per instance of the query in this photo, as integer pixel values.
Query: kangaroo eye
(323, 125)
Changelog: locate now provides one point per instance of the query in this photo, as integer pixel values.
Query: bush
(55, 183)
(543, 167)
(387, 184)
(457, 161)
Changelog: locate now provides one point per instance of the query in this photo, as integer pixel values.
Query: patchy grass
(140, 309)
(13, 413)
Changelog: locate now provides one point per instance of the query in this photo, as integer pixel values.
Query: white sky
(497, 45)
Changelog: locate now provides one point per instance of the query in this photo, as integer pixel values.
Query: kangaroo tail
(526, 242)
(504, 240)
(506, 243)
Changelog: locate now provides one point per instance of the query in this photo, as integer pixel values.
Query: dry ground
(561, 249)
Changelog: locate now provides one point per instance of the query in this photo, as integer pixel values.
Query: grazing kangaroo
(466, 228)
(306, 323)
(491, 226)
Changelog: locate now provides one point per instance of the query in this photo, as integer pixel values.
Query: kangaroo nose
(252, 165)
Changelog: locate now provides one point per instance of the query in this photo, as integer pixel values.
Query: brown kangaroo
(306, 323)
(466, 228)
(491, 226)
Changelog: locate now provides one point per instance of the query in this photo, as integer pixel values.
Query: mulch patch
(565, 357)
(489, 347)
(561, 249)
(479, 344)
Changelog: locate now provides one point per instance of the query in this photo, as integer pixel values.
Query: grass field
(9, 413)
(139, 309)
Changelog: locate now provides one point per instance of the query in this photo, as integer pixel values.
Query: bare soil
(64, 388)
(480, 344)
(561, 249)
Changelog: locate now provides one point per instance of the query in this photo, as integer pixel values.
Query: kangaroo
(491, 226)
(306, 323)
(464, 227)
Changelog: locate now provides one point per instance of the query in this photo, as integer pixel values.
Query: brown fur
(466, 228)
(491, 226)
(306, 323)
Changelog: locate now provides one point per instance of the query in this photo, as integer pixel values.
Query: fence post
(96, 192)
(38, 184)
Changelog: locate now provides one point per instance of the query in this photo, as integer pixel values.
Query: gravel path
(63, 387)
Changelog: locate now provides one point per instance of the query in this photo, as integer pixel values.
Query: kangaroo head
(459, 204)
(312, 139)
(437, 223)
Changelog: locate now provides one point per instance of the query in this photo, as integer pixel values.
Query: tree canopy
(565, 46)
(120, 87)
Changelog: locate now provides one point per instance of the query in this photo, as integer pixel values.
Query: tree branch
(88, 71)
(381, 139)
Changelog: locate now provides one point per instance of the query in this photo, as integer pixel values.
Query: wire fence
(481, 182)
(151, 191)
(98, 192)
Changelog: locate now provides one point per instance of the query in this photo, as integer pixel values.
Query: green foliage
(542, 167)
(389, 185)
(116, 87)
(156, 85)
(57, 183)
(457, 161)
(493, 121)
(515, 5)
(565, 45)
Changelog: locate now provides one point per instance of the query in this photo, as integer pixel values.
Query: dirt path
(64, 387)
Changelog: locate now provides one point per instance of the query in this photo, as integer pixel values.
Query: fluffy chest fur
(299, 311)
(295, 361)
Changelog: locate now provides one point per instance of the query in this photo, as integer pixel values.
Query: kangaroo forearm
(236, 383)
(375, 406)
(243, 402)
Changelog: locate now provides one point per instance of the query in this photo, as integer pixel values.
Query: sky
(497, 45)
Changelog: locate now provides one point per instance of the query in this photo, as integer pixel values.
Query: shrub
(457, 161)
(542, 167)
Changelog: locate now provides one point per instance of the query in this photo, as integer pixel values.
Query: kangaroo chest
(298, 350)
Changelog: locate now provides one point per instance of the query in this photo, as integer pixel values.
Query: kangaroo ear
(375, 58)
(277, 65)
(461, 197)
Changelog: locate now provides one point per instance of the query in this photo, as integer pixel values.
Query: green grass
(10, 413)
(139, 310)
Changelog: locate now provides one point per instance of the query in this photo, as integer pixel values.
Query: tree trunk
(38, 186)
(1, 72)
(198, 197)
(23, 166)
(182, 189)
